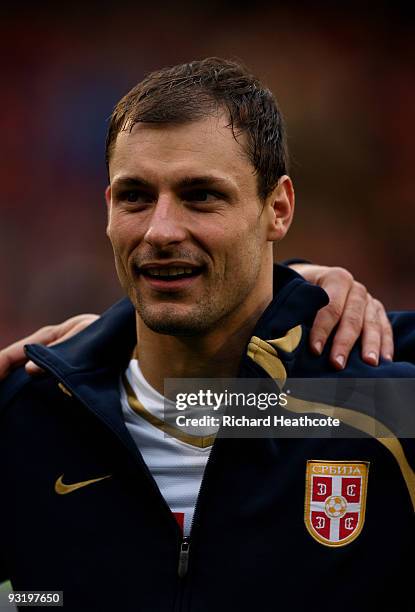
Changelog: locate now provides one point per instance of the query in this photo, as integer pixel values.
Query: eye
(131, 196)
(135, 196)
(201, 195)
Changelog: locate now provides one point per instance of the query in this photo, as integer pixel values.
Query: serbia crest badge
(335, 500)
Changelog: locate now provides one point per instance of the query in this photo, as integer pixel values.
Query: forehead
(170, 150)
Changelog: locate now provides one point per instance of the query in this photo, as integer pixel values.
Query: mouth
(170, 277)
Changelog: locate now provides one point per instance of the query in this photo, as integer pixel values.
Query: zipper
(184, 557)
(184, 551)
(186, 542)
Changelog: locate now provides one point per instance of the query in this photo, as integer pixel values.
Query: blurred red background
(344, 78)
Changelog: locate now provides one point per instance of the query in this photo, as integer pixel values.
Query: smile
(170, 277)
(167, 273)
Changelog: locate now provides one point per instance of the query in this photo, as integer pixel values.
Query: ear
(108, 201)
(280, 209)
(108, 196)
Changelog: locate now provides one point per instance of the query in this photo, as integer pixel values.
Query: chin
(169, 322)
(174, 327)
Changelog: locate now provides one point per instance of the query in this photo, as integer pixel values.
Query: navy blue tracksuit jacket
(256, 542)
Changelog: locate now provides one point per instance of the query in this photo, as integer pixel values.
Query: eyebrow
(130, 181)
(185, 182)
(207, 179)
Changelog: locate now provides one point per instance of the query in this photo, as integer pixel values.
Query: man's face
(186, 225)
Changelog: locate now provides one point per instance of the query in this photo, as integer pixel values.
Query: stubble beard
(165, 318)
(223, 294)
(203, 315)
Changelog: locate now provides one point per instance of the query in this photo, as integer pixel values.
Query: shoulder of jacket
(403, 325)
(15, 383)
(12, 385)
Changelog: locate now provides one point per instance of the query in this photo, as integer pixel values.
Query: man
(106, 508)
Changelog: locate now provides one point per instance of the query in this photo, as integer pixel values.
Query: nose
(166, 223)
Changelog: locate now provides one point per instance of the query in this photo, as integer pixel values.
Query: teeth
(169, 271)
(175, 271)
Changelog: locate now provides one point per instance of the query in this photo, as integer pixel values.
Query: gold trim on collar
(290, 341)
(264, 352)
(138, 408)
(64, 389)
(267, 357)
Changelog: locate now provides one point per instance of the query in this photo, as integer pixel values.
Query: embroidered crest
(335, 500)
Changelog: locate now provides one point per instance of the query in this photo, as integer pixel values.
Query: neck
(216, 353)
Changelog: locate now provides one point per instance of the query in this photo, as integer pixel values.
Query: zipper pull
(184, 557)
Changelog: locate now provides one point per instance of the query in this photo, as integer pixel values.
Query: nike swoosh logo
(62, 489)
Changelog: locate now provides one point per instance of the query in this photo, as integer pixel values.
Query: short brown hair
(191, 91)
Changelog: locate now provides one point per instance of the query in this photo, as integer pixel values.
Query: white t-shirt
(177, 466)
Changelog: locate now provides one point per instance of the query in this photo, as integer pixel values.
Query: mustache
(151, 255)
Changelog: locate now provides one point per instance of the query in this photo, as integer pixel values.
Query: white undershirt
(177, 467)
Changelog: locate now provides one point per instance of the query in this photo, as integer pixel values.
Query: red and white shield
(335, 500)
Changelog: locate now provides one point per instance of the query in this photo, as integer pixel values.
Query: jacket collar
(88, 365)
(108, 342)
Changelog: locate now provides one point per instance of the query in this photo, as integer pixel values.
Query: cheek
(122, 234)
(123, 238)
(243, 237)
(245, 249)
(229, 250)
